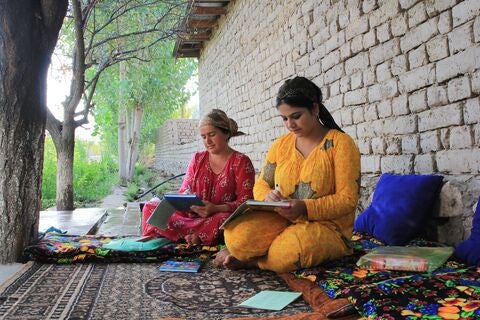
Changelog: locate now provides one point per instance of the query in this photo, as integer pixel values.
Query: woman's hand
(295, 213)
(205, 211)
(274, 196)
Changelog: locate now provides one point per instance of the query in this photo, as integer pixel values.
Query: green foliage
(157, 85)
(92, 180)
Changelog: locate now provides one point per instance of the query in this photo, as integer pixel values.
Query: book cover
(180, 266)
(249, 205)
(271, 300)
(183, 202)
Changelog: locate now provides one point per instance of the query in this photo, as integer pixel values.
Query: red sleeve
(190, 175)
(244, 180)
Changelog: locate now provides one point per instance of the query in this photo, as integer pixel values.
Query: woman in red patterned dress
(221, 176)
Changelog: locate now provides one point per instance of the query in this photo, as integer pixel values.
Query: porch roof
(196, 27)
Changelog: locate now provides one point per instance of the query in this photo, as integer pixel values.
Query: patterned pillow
(467, 251)
(400, 206)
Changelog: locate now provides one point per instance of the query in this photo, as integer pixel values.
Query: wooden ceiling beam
(197, 23)
(208, 10)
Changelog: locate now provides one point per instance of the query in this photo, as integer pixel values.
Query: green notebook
(271, 300)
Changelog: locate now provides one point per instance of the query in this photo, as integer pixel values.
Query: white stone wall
(176, 142)
(400, 76)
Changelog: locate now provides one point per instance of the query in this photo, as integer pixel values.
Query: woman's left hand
(295, 213)
(204, 211)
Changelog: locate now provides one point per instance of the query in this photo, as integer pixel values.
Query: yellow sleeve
(266, 181)
(346, 162)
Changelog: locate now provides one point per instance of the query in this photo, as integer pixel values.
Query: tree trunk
(65, 146)
(122, 131)
(134, 141)
(28, 34)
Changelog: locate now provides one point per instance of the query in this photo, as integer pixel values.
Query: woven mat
(135, 291)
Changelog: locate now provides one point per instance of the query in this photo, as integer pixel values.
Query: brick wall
(400, 76)
(176, 141)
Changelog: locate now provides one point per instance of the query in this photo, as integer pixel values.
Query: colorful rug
(65, 249)
(451, 292)
(135, 291)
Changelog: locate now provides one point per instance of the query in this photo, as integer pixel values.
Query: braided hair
(301, 92)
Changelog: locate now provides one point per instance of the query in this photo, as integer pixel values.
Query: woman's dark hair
(301, 92)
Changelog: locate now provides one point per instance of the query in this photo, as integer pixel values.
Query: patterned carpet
(135, 291)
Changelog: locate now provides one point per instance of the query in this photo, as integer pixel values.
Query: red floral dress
(232, 186)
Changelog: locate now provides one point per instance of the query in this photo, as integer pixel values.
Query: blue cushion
(468, 251)
(400, 206)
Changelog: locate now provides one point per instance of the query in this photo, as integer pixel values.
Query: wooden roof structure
(196, 27)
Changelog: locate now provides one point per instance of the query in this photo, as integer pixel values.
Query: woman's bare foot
(193, 239)
(225, 259)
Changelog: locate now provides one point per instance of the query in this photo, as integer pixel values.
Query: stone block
(476, 134)
(434, 7)
(459, 89)
(344, 84)
(399, 65)
(406, 4)
(464, 11)
(459, 161)
(401, 164)
(356, 80)
(393, 145)
(417, 14)
(471, 111)
(334, 73)
(368, 76)
(335, 88)
(368, 5)
(460, 38)
(370, 112)
(476, 30)
(418, 101)
(476, 82)
(410, 144)
(437, 48)
(346, 115)
(356, 27)
(384, 51)
(417, 78)
(357, 44)
(417, 57)
(460, 137)
(356, 97)
(424, 164)
(383, 71)
(363, 145)
(400, 105)
(378, 145)
(383, 32)
(399, 25)
(370, 39)
(420, 34)
(436, 96)
(345, 51)
(370, 163)
(384, 109)
(386, 11)
(445, 22)
(356, 63)
(358, 115)
(440, 117)
(399, 125)
(460, 63)
(330, 60)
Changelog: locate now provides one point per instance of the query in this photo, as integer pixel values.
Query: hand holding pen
(275, 195)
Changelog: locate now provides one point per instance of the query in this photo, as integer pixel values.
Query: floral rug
(450, 292)
(135, 291)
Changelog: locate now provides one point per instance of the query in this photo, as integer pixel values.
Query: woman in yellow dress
(316, 168)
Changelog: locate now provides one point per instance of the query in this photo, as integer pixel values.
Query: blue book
(183, 202)
(180, 266)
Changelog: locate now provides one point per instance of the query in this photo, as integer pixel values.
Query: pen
(189, 188)
(277, 188)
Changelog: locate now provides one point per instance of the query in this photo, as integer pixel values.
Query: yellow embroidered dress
(328, 182)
